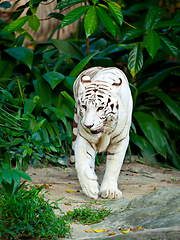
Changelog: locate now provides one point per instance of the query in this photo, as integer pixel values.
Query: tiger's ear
(85, 79)
(116, 84)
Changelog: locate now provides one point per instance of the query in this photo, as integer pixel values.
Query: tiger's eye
(100, 108)
(84, 106)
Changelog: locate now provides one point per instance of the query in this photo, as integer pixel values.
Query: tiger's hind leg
(115, 157)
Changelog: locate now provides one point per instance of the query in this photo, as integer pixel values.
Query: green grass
(28, 215)
(88, 215)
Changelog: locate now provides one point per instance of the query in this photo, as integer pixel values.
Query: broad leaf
(67, 3)
(59, 113)
(173, 107)
(33, 22)
(53, 78)
(81, 65)
(116, 13)
(15, 176)
(38, 126)
(51, 131)
(169, 47)
(135, 60)
(153, 17)
(152, 42)
(107, 21)
(6, 175)
(23, 175)
(68, 82)
(90, 21)
(29, 106)
(152, 131)
(43, 90)
(23, 54)
(56, 15)
(74, 15)
(67, 48)
(146, 148)
(154, 81)
(14, 26)
(167, 24)
(56, 130)
(134, 33)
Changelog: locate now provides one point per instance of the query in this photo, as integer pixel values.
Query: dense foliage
(28, 214)
(142, 39)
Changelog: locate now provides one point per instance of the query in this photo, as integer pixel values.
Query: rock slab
(157, 212)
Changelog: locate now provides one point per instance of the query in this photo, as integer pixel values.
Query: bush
(28, 215)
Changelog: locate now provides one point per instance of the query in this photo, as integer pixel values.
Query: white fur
(114, 137)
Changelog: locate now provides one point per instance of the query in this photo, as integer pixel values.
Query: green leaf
(53, 78)
(152, 42)
(154, 81)
(33, 22)
(23, 54)
(37, 127)
(90, 21)
(81, 65)
(14, 26)
(9, 96)
(14, 142)
(116, 13)
(153, 17)
(67, 3)
(74, 15)
(146, 148)
(56, 130)
(29, 106)
(51, 131)
(45, 134)
(152, 131)
(59, 113)
(15, 176)
(43, 90)
(173, 107)
(135, 60)
(6, 175)
(107, 21)
(23, 175)
(169, 47)
(167, 24)
(69, 82)
(134, 33)
(67, 48)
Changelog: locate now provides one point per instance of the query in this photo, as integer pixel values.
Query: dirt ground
(135, 180)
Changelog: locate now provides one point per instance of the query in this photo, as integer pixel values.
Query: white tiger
(102, 121)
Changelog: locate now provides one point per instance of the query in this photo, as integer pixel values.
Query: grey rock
(157, 212)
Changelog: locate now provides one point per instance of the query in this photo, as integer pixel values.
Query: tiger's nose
(89, 126)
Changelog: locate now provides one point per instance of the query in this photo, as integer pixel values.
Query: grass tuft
(88, 215)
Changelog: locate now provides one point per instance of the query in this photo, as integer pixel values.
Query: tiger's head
(98, 104)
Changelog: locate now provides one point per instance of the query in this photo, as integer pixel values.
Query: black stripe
(109, 153)
(88, 142)
(89, 154)
(120, 140)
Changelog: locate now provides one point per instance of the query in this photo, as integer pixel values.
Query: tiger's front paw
(110, 191)
(89, 184)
